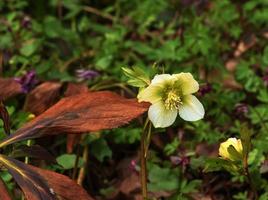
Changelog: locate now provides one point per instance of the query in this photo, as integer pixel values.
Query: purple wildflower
(27, 81)
(205, 89)
(134, 166)
(26, 22)
(241, 109)
(86, 74)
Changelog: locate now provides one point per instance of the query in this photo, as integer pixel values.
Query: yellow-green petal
(161, 78)
(187, 83)
(236, 143)
(191, 109)
(160, 116)
(150, 94)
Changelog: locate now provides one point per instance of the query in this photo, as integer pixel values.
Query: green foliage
(55, 38)
(68, 161)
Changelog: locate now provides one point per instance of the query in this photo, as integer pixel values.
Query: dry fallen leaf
(4, 195)
(62, 185)
(9, 88)
(79, 114)
(74, 89)
(40, 184)
(245, 45)
(42, 97)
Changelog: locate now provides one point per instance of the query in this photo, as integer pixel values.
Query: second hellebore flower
(170, 95)
(227, 154)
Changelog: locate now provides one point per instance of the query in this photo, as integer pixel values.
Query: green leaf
(67, 161)
(100, 149)
(162, 179)
(138, 78)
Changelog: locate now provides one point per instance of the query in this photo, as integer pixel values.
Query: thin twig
(98, 12)
(82, 171)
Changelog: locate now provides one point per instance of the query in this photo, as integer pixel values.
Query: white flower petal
(160, 116)
(191, 109)
(150, 94)
(187, 83)
(161, 78)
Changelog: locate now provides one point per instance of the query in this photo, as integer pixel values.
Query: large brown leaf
(43, 97)
(9, 88)
(63, 186)
(81, 113)
(40, 184)
(74, 89)
(3, 191)
(32, 184)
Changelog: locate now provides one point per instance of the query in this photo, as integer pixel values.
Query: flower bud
(231, 149)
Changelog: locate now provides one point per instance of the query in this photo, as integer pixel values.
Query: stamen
(173, 101)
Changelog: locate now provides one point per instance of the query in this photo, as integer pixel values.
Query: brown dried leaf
(5, 117)
(62, 185)
(245, 45)
(231, 64)
(40, 184)
(4, 195)
(73, 89)
(33, 151)
(33, 185)
(231, 83)
(9, 88)
(43, 97)
(79, 114)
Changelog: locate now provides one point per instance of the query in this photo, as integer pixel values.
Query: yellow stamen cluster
(173, 101)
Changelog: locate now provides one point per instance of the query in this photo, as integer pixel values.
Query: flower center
(173, 101)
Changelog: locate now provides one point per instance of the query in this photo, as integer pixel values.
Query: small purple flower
(205, 89)
(86, 74)
(134, 166)
(27, 81)
(180, 160)
(241, 109)
(26, 22)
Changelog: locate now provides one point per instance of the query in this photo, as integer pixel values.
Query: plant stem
(145, 142)
(82, 171)
(250, 182)
(143, 173)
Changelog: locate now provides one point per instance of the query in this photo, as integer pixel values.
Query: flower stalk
(145, 142)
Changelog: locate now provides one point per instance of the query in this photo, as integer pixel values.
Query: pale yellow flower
(225, 153)
(170, 95)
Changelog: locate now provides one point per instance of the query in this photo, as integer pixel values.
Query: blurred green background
(223, 43)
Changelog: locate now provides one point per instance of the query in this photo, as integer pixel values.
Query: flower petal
(191, 109)
(160, 116)
(150, 94)
(187, 83)
(161, 78)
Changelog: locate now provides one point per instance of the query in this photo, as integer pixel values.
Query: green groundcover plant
(153, 99)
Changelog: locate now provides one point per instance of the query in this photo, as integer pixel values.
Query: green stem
(250, 182)
(29, 143)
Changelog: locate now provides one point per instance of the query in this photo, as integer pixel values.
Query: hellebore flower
(170, 95)
(27, 81)
(233, 155)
